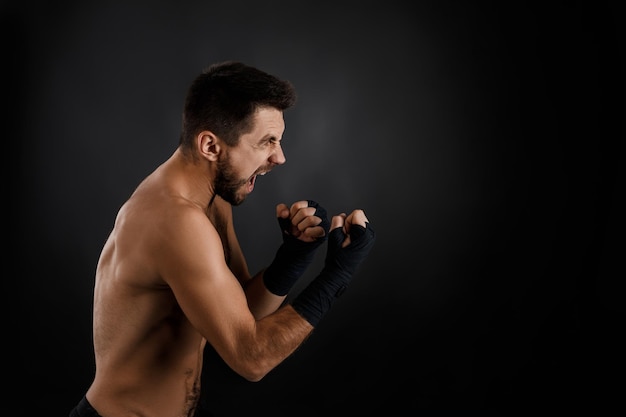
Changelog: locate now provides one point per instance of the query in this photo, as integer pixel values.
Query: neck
(192, 179)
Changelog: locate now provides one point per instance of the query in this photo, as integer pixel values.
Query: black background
(485, 142)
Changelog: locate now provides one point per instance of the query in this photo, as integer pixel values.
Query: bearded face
(256, 154)
(227, 184)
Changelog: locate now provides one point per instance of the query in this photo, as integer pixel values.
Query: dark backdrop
(485, 142)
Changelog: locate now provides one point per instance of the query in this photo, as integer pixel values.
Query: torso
(148, 355)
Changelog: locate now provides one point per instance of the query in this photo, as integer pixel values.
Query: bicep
(235, 259)
(210, 296)
(237, 263)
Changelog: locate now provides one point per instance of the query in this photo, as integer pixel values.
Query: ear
(209, 145)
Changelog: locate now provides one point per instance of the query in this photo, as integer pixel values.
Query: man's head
(233, 118)
(224, 98)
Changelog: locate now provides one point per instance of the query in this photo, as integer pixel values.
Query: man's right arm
(216, 305)
(350, 240)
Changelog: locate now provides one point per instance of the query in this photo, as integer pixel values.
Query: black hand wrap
(340, 265)
(293, 256)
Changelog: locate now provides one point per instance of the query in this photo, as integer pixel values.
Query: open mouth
(252, 180)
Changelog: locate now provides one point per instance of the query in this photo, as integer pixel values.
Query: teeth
(262, 173)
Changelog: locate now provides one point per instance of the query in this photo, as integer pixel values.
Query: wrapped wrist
(289, 264)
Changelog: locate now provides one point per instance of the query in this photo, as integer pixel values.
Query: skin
(172, 277)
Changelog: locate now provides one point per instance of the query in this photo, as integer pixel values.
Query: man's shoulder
(160, 218)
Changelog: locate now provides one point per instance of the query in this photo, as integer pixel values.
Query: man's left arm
(304, 227)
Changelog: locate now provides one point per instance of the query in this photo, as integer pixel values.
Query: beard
(227, 185)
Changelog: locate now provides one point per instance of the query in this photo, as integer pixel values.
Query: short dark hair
(223, 98)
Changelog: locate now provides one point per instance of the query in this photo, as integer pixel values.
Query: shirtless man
(172, 277)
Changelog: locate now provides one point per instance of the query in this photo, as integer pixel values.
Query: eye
(269, 141)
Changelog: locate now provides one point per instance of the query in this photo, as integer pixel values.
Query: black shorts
(84, 409)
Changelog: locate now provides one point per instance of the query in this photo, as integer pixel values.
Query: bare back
(148, 355)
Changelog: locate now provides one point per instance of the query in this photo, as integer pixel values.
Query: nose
(278, 156)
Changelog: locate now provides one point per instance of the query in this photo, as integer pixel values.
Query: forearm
(261, 301)
(275, 337)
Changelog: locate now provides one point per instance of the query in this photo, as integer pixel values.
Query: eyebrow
(269, 138)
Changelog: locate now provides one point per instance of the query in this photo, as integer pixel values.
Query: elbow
(252, 367)
(254, 377)
(252, 372)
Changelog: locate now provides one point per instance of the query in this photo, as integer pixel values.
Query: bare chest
(221, 225)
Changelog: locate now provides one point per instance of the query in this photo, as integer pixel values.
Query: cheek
(245, 165)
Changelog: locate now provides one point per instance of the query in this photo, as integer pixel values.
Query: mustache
(264, 169)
